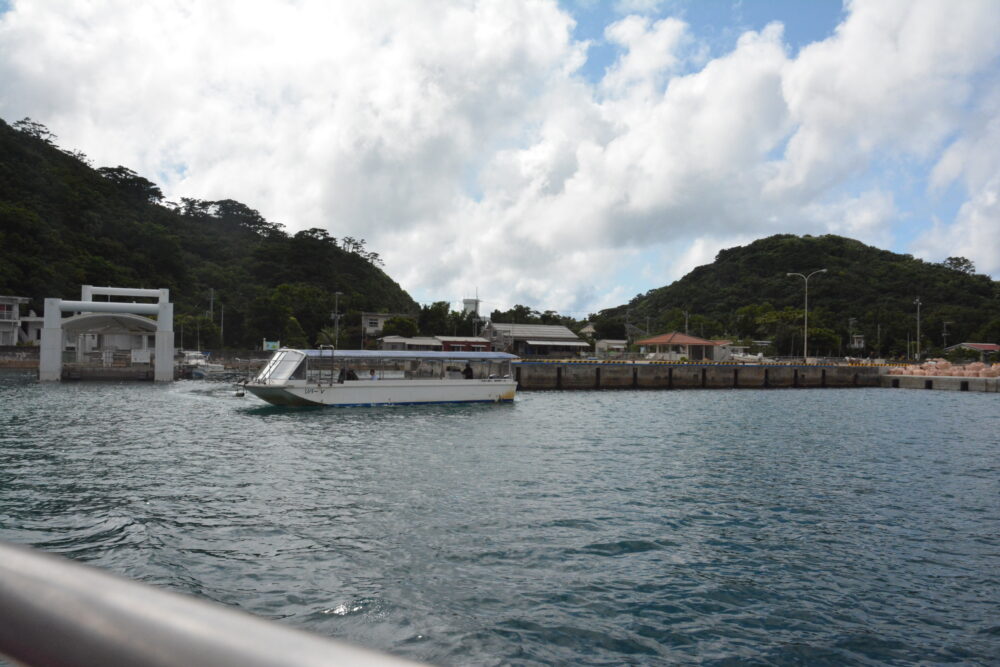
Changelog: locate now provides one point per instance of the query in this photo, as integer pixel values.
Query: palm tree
(327, 336)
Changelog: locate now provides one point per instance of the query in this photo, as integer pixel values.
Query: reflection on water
(837, 526)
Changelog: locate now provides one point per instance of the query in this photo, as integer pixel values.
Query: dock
(597, 374)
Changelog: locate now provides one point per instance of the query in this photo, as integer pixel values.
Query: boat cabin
(340, 366)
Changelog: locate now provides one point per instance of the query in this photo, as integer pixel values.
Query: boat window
(281, 366)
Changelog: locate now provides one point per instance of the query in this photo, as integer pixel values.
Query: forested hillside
(64, 224)
(746, 294)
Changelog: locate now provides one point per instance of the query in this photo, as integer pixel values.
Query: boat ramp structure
(101, 339)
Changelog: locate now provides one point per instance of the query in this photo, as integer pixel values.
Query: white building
(10, 319)
(535, 340)
(373, 323)
(610, 348)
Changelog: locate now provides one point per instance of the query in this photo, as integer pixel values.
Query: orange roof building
(679, 345)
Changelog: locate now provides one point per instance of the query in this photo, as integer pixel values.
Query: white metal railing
(54, 611)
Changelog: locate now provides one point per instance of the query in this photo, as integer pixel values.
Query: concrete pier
(666, 375)
(988, 385)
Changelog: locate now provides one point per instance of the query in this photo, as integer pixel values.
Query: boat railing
(55, 611)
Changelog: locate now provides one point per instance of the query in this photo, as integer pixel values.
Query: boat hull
(386, 392)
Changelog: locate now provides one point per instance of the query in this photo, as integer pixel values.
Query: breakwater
(943, 383)
(667, 375)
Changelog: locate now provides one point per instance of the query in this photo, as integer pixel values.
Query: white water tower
(470, 306)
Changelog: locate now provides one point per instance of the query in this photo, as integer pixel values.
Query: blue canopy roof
(408, 354)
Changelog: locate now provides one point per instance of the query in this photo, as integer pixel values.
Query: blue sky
(718, 23)
(567, 156)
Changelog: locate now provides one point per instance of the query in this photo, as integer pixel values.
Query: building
(535, 340)
(10, 319)
(726, 351)
(982, 348)
(402, 343)
(465, 344)
(675, 345)
(373, 323)
(436, 343)
(610, 348)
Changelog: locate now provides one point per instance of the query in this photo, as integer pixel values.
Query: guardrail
(55, 611)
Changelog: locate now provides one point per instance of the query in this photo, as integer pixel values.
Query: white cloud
(462, 142)
(895, 77)
(975, 233)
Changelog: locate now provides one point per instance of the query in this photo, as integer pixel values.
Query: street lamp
(917, 302)
(336, 319)
(805, 326)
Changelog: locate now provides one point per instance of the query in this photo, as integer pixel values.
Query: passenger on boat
(467, 371)
(371, 375)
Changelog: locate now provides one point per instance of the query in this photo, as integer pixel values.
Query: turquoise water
(857, 526)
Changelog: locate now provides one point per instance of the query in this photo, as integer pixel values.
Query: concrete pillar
(50, 351)
(163, 371)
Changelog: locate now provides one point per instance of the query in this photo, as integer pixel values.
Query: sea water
(854, 526)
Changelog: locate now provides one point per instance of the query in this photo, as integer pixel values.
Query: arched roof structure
(108, 323)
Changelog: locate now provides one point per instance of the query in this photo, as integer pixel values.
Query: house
(535, 340)
(373, 323)
(437, 343)
(588, 330)
(402, 343)
(10, 319)
(675, 345)
(608, 347)
(464, 344)
(982, 348)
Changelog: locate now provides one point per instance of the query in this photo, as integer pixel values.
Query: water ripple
(768, 527)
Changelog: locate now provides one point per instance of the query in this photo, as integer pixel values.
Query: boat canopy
(407, 354)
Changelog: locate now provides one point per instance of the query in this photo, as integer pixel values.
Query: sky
(563, 155)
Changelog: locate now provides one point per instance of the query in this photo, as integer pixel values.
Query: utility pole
(336, 319)
(917, 302)
(222, 323)
(685, 323)
(944, 334)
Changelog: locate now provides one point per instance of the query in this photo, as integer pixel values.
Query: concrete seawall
(645, 375)
(988, 385)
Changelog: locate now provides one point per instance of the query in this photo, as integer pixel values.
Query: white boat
(383, 377)
(197, 366)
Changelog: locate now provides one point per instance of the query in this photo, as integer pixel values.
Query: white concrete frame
(50, 354)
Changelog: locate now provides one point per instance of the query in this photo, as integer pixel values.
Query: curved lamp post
(805, 327)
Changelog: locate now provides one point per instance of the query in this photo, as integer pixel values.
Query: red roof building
(675, 345)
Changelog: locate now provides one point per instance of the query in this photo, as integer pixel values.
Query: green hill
(64, 224)
(745, 294)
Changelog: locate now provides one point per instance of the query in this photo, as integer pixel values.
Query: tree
(36, 130)
(132, 183)
(400, 326)
(294, 335)
(434, 319)
(327, 336)
(960, 264)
